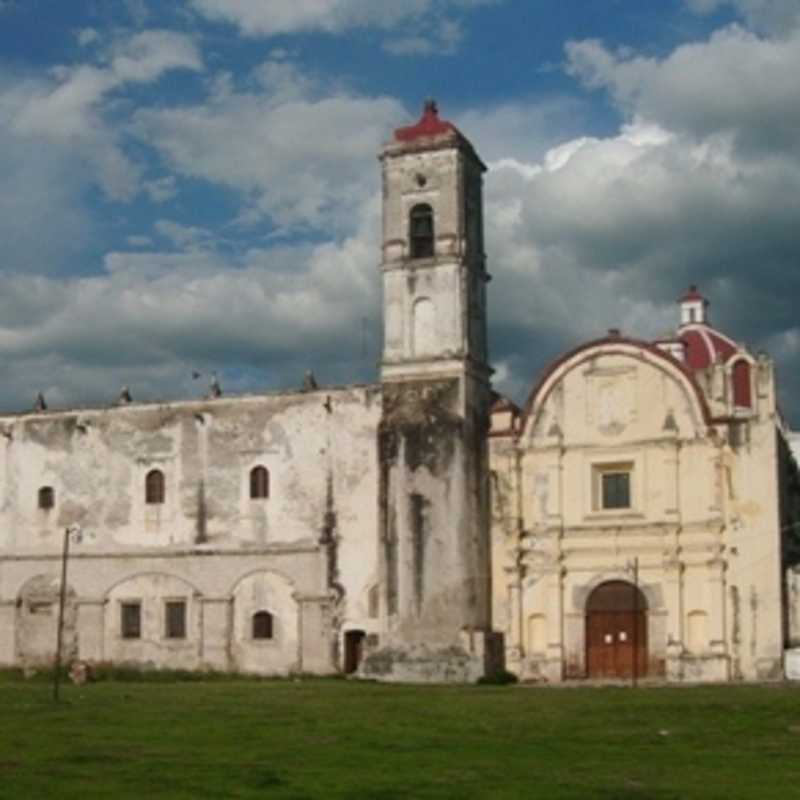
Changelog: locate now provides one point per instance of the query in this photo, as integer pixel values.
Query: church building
(628, 520)
(328, 530)
(644, 501)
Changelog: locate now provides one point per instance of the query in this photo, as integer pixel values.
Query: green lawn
(339, 739)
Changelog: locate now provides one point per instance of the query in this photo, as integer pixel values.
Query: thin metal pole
(635, 675)
(61, 600)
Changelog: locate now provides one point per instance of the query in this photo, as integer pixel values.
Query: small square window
(175, 619)
(131, 620)
(612, 486)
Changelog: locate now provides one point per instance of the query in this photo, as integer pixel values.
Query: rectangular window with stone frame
(612, 485)
(131, 620)
(175, 619)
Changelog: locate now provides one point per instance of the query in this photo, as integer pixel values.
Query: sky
(192, 186)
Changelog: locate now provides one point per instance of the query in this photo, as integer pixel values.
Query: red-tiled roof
(692, 294)
(428, 125)
(705, 346)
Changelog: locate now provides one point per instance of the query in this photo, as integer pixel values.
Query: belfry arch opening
(616, 631)
(420, 229)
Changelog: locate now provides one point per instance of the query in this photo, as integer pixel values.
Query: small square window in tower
(421, 231)
(131, 620)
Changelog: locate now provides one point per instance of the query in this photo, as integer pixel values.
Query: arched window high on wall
(47, 497)
(420, 230)
(259, 483)
(154, 491)
(742, 396)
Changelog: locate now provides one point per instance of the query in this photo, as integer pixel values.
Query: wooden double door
(616, 631)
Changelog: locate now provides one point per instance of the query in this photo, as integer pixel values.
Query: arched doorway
(616, 631)
(353, 650)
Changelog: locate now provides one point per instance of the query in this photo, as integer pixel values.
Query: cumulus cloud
(68, 110)
(294, 152)
(735, 83)
(153, 315)
(770, 16)
(427, 28)
(60, 137)
(444, 39)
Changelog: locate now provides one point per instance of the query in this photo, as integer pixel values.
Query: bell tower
(434, 493)
(434, 272)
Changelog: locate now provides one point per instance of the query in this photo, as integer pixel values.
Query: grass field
(298, 740)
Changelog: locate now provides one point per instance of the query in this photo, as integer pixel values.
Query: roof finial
(431, 107)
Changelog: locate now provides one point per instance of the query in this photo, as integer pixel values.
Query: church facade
(644, 502)
(627, 520)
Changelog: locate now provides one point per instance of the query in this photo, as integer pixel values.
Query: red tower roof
(428, 125)
(692, 294)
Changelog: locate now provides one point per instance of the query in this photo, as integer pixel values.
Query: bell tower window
(421, 231)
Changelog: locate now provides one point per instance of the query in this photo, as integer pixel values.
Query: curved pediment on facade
(611, 389)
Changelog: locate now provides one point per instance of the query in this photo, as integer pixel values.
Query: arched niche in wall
(37, 618)
(740, 376)
(255, 593)
(423, 327)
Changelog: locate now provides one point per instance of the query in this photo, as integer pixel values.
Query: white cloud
(161, 189)
(734, 82)
(295, 154)
(258, 18)
(138, 240)
(87, 36)
(443, 40)
(278, 310)
(771, 16)
(68, 110)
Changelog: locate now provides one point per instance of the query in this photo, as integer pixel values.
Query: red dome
(704, 346)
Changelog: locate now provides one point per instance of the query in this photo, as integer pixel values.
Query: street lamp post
(69, 532)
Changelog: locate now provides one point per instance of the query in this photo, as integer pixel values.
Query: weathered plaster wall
(312, 541)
